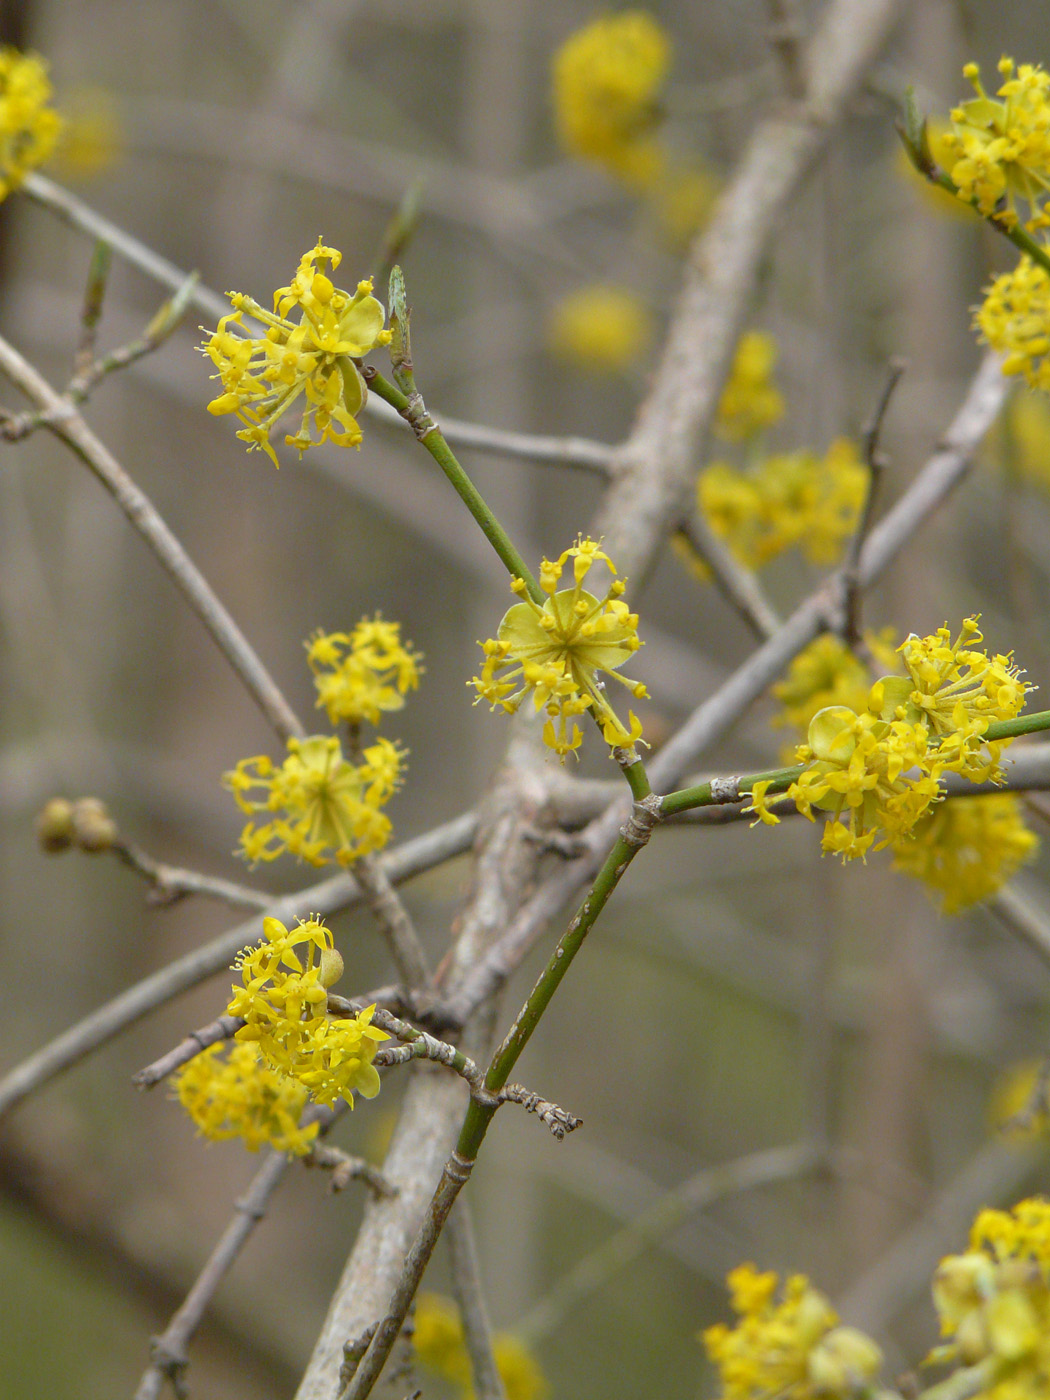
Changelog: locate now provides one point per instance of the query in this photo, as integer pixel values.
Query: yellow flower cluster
(363, 672)
(326, 808)
(828, 673)
(790, 1347)
(283, 1001)
(750, 400)
(795, 499)
(439, 1345)
(29, 128)
(314, 356)
(967, 849)
(607, 81)
(1014, 319)
(999, 152)
(994, 1300)
(555, 651)
(602, 329)
(230, 1092)
(1019, 445)
(880, 768)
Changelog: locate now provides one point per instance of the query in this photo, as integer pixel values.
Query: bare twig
(876, 463)
(572, 451)
(467, 1287)
(558, 1120)
(169, 1351)
(393, 919)
(222, 1028)
(737, 584)
(786, 33)
(345, 1169)
(616, 1254)
(146, 520)
(338, 892)
(170, 882)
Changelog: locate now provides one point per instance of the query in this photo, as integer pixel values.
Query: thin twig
(71, 428)
(338, 892)
(394, 921)
(169, 1350)
(470, 1295)
(875, 461)
(171, 882)
(222, 1028)
(737, 584)
(614, 1257)
(571, 451)
(345, 1168)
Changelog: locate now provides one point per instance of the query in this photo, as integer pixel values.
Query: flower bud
(54, 825)
(94, 830)
(331, 966)
(844, 1362)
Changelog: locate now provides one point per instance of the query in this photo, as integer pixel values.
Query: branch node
(638, 827)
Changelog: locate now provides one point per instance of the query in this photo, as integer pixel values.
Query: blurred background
(740, 994)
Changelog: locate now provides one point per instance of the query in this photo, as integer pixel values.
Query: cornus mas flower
(29, 128)
(325, 807)
(957, 692)
(966, 849)
(363, 672)
(791, 500)
(312, 339)
(283, 1001)
(607, 79)
(1014, 319)
(994, 1300)
(230, 1092)
(602, 329)
(439, 1344)
(789, 1347)
(750, 400)
(857, 769)
(555, 651)
(1000, 151)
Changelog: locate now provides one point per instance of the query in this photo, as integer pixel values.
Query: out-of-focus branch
(338, 892)
(171, 882)
(619, 1251)
(571, 451)
(470, 1295)
(67, 425)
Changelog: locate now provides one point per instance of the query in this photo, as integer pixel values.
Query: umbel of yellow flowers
(312, 340)
(556, 650)
(283, 1000)
(880, 768)
(29, 128)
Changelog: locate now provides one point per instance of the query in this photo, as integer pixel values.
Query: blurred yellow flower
(29, 128)
(601, 329)
(93, 135)
(750, 400)
(230, 1092)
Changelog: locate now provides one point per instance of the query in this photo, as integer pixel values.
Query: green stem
(1024, 724)
(439, 449)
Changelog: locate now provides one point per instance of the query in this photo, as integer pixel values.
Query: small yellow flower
(788, 1348)
(994, 1300)
(314, 356)
(1014, 319)
(856, 769)
(439, 1345)
(956, 691)
(283, 1000)
(998, 152)
(230, 1092)
(29, 128)
(759, 804)
(329, 808)
(827, 673)
(361, 673)
(607, 81)
(750, 400)
(967, 849)
(557, 650)
(601, 329)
